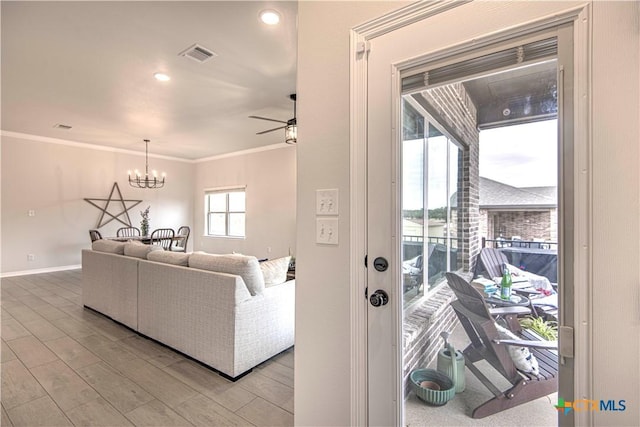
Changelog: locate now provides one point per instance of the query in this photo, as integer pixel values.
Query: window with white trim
(225, 212)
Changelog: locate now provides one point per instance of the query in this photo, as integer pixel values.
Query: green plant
(144, 224)
(547, 329)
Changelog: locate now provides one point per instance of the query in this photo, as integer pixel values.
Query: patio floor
(457, 412)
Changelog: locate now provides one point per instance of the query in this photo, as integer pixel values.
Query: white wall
(322, 365)
(270, 180)
(52, 179)
(616, 209)
(322, 276)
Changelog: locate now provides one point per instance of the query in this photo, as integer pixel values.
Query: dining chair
(163, 237)
(128, 232)
(180, 241)
(94, 235)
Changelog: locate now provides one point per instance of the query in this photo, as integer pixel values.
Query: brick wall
(421, 339)
(528, 225)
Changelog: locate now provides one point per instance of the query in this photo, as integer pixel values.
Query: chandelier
(139, 181)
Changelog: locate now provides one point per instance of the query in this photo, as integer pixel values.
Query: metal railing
(531, 244)
(430, 239)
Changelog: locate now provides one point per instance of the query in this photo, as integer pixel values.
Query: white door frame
(360, 37)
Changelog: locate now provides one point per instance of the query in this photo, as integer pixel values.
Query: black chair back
(94, 235)
(163, 237)
(128, 232)
(180, 242)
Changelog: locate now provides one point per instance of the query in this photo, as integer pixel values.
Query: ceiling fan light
(291, 132)
(270, 17)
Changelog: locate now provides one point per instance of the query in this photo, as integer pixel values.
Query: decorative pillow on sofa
(521, 356)
(244, 266)
(275, 270)
(140, 250)
(110, 246)
(168, 257)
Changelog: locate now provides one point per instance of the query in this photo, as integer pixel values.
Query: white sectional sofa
(227, 319)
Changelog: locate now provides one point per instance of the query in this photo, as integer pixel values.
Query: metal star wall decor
(105, 209)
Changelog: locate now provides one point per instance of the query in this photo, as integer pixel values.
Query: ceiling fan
(290, 126)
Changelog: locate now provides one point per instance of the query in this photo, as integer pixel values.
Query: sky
(519, 155)
(522, 155)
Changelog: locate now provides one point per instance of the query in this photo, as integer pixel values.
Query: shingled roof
(497, 195)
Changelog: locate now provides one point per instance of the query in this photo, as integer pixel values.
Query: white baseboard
(41, 270)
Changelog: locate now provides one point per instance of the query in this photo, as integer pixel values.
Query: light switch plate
(327, 202)
(327, 231)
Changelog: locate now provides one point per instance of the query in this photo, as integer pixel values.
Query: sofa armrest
(265, 325)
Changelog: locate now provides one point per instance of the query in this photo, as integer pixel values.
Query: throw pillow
(138, 250)
(275, 270)
(521, 356)
(244, 266)
(167, 257)
(109, 246)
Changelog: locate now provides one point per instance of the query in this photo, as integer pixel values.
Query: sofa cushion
(275, 270)
(110, 246)
(167, 257)
(244, 266)
(139, 250)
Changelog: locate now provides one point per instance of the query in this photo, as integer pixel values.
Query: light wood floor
(66, 365)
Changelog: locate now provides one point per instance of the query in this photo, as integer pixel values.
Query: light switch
(31, 212)
(327, 231)
(327, 202)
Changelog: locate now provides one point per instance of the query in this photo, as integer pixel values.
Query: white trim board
(40, 270)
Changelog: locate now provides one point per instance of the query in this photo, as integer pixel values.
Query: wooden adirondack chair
(479, 323)
(490, 263)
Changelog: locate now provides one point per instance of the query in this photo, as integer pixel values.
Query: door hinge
(362, 48)
(366, 293)
(365, 261)
(565, 341)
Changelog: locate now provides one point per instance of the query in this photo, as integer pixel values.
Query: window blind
(530, 52)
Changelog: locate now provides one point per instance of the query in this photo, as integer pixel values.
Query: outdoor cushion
(521, 356)
(244, 266)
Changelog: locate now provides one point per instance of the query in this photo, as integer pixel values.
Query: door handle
(379, 298)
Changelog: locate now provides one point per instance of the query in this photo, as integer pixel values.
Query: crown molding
(245, 152)
(49, 140)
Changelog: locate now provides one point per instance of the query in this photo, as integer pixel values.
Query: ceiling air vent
(198, 53)
(61, 126)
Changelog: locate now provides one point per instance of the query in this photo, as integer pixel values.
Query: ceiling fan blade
(265, 118)
(270, 130)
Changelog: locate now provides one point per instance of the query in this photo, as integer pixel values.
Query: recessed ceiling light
(270, 17)
(162, 77)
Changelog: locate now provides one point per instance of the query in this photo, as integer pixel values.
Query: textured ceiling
(90, 65)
